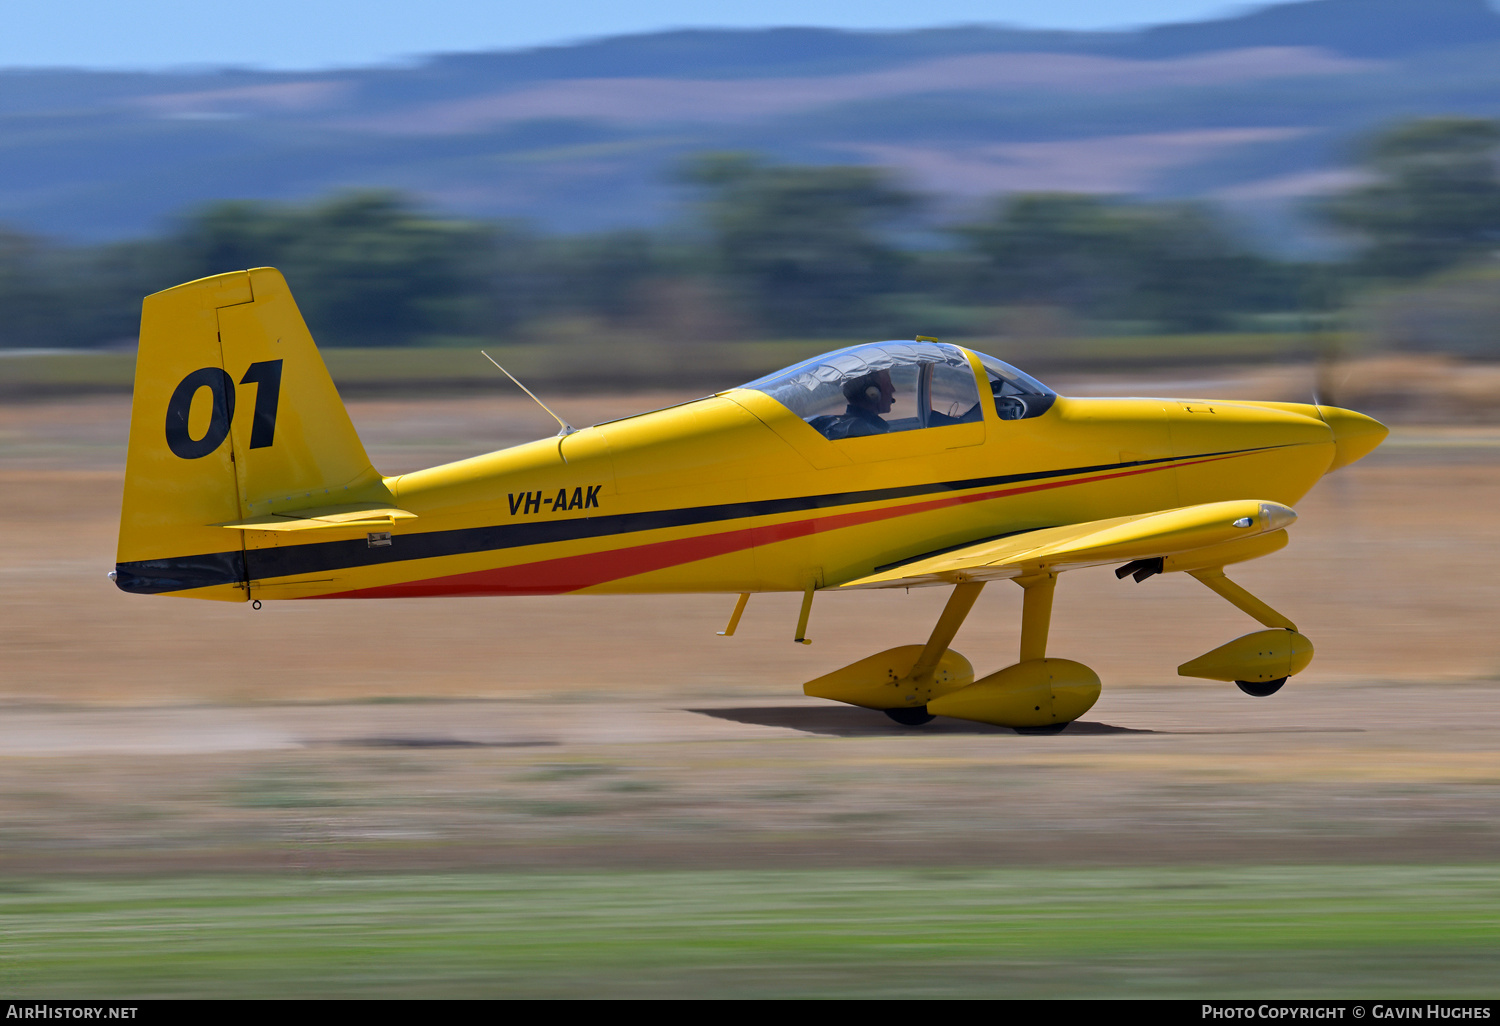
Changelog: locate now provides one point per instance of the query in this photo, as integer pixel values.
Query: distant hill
(1358, 28)
(1257, 111)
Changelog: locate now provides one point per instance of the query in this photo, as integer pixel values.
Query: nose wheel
(1260, 688)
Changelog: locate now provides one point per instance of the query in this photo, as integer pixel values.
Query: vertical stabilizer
(234, 416)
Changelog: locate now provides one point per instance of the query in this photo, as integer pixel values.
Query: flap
(1093, 543)
(355, 514)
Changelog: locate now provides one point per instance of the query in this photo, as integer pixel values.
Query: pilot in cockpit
(868, 396)
(935, 383)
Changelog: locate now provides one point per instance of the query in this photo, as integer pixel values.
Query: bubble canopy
(882, 387)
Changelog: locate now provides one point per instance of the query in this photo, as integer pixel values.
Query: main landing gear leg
(1036, 695)
(1036, 614)
(1259, 663)
(954, 613)
(1036, 622)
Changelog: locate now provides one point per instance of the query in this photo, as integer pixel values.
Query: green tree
(53, 295)
(600, 275)
(1434, 201)
(367, 269)
(32, 305)
(1191, 274)
(1052, 249)
(1174, 265)
(803, 247)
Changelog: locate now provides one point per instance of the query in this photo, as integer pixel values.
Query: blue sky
(331, 33)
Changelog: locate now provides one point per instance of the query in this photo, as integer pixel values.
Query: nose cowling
(1354, 434)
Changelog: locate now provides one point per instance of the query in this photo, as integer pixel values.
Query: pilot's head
(872, 391)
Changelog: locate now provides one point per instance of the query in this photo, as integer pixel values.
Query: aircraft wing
(1165, 533)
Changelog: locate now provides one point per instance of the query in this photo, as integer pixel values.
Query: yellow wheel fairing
(1032, 693)
(1256, 658)
(882, 681)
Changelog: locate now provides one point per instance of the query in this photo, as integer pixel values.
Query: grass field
(1309, 932)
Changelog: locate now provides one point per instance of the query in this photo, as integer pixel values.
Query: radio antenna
(564, 427)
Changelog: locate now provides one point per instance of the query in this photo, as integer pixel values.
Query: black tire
(1051, 728)
(910, 716)
(1260, 688)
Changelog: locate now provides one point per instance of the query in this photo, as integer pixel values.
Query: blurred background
(1281, 180)
(564, 796)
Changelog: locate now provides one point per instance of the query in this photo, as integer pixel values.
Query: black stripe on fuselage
(154, 576)
(181, 573)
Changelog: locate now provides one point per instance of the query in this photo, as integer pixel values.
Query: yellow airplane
(891, 465)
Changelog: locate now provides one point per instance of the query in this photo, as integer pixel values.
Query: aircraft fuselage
(735, 493)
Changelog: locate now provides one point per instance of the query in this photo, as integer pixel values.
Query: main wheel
(1051, 728)
(1260, 688)
(910, 716)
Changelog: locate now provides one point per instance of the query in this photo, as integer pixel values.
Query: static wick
(565, 427)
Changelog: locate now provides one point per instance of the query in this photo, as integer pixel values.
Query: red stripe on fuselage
(575, 573)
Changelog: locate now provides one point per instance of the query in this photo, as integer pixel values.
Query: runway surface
(1189, 774)
(1190, 719)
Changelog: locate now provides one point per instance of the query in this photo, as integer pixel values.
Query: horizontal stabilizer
(1095, 543)
(323, 518)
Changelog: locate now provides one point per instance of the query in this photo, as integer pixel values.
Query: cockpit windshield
(885, 387)
(1017, 396)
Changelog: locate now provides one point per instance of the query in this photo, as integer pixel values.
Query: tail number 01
(266, 376)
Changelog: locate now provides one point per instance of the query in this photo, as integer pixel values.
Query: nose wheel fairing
(1254, 659)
